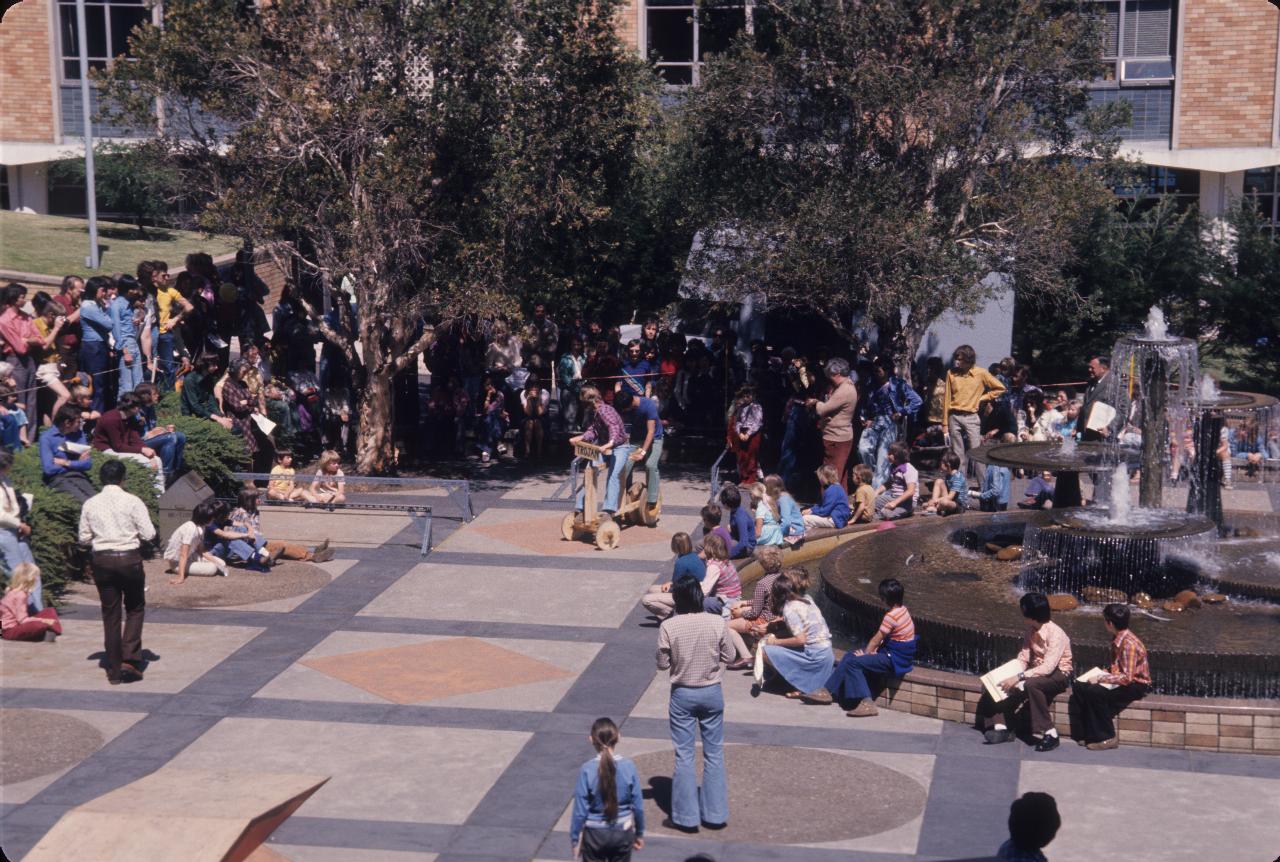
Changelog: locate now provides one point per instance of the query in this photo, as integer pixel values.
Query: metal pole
(86, 110)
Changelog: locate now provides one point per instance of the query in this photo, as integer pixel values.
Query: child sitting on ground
(864, 495)
(951, 492)
(994, 496)
(245, 518)
(754, 618)
(1039, 493)
(185, 552)
(327, 486)
(898, 499)
(284, 488)
(16, 624)
(721, 587)
(833, 511)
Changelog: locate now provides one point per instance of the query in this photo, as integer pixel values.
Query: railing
(458, 490)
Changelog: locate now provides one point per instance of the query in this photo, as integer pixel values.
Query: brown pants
(837, 455)
(120, 580)
(288, 551)
(1037, 691)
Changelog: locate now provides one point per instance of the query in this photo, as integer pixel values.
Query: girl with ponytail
(608, 811)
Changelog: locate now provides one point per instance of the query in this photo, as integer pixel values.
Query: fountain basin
(964, 604)
(1039, 456)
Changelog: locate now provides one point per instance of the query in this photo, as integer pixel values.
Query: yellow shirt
(965, 391)
(282, 486)
(865, 496)
(165, 298)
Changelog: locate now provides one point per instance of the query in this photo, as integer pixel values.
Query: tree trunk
(906, 343)
(375, 445)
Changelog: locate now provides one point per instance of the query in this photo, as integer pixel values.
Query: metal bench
(418, 511)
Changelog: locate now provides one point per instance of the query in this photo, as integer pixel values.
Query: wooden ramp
(187, 814)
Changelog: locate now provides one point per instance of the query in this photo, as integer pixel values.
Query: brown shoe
(865, 709)
(818, 697)
(323, 546)
(322, 555)
(274, 554)
(1105, 745)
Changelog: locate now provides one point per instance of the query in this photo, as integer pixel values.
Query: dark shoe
(995, 737)
(114, 680)
(129, 673)
(274, 554)
(714, 826)
(818, 697)
(50, 636)
(671, 824)
(1105, 745)
(1048, 743)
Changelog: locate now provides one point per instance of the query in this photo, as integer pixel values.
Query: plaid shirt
(605, 426)
(695, 648)
(760, 600)
(1128, 661)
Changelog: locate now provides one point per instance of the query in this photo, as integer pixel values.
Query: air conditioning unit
(1146, 71)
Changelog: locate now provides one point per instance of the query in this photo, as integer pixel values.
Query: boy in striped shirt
(890, 652)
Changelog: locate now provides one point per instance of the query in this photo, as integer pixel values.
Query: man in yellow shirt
(170, 306)
(968, 388)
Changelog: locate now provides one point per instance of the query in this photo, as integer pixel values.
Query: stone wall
(1228, 73)
(1199, 724)
(26, 91)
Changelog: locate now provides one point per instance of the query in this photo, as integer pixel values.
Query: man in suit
(1100, 389)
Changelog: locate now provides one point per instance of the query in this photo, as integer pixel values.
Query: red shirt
(16, 328)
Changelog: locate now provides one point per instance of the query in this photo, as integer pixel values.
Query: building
(1202, 78)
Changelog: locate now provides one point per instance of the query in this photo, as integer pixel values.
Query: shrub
(212, 451)
(55, 517)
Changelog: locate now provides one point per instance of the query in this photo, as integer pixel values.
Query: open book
(1100, 416)
(1092, 675)
(75, 448)
(991, 679)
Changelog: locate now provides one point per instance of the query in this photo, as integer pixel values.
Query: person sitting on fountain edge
(1095, 704)
(1046, 659)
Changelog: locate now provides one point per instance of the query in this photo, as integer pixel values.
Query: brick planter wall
(1199, 724)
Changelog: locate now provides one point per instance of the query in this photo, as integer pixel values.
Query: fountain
(1206, 596)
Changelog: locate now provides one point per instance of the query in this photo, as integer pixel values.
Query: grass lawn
(52, 245)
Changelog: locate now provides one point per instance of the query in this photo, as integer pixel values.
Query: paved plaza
(449, 700)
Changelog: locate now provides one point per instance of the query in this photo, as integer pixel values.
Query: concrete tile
(512, 594)
(379, 772)
(72, 662)
(1194, 813)
(564, 660)
(108, 724)
(346, 529)
(769, 709)
(305, 853)
(522, 533)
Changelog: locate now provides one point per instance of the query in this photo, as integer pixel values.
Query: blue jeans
(701, 709)
(244, 550)
(616, 462)
(93, 361)
(168, 362)
(130, 372)
(873, 448)
(170, 446)
(15, 551)
(849, 680)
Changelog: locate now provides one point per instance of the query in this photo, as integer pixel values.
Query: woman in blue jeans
(694, 646)
(226, 541)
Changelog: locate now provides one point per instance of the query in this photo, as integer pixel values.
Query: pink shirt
(1046, 649)
(13, 609)
(16, 328)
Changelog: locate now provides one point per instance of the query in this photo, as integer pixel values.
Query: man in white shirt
(114, 523)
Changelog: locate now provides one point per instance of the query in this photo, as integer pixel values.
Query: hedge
(212, 451)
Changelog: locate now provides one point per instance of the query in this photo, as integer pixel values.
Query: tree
(885, 157)
(446, 158)
(130, 179)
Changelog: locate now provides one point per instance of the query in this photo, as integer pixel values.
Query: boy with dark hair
(1095, 703)
(742, 527)
(950, 491)
(1046, 660)
(890, 652)
(64, 455)
(1033, 823)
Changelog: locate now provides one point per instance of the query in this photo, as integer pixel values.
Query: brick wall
(26, 91)
(627, 18)
(1228, 73)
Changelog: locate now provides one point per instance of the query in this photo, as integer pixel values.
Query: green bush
(212, 451)
(55, 517)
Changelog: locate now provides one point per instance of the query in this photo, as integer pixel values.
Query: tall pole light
(86, 110)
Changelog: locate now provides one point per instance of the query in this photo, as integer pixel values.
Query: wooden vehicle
(601, 529)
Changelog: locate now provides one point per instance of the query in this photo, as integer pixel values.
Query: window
(107, 23)
(1138, 45)
(1262, 186)
(4, 187)
(1160, 182)
(680, 33)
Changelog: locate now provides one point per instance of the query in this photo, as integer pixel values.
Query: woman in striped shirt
(890, 652)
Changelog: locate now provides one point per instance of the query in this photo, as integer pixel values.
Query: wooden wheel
(649, 515)
(567, 526)
(607, 535)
